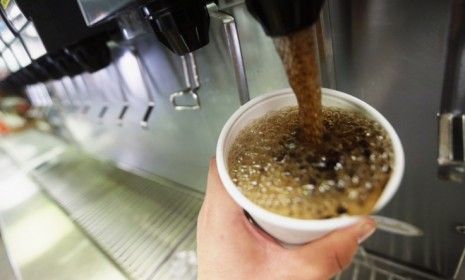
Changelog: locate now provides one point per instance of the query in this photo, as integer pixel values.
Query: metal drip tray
(138, 223)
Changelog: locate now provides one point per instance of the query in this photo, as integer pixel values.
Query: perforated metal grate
(136, 222)
(364, 269)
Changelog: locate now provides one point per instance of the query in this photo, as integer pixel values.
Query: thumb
(334, 252)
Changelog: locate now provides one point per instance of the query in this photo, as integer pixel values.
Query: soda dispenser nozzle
(181, 25)
(282, 17)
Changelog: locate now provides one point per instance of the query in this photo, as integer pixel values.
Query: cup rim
(304, 224)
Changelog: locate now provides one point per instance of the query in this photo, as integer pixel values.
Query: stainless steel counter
(63, 209)
(41, 241)
(6, 270)
(137, 222)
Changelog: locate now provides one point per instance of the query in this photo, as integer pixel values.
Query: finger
(259, 233)
(220, 213)
(216, 194)
(334, 252)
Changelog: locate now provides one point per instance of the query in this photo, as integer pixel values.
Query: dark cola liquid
(345, 173)
(298, 54)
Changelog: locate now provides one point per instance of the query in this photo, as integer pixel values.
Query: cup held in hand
(291, 230)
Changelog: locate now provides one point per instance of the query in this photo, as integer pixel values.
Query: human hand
(230, 247)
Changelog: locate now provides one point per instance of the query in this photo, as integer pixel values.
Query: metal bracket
(89, 83)
(65, 94)
(185, 93)
(70, 102)
(146, 81)
(451, 158)
(226, 4)
(87, 99)
(145, 120)
(122, 88)
(102, 113)
(325, 49)
(69, 92)
(191, 79)
(235, 51)
(122, 114)
(39, 96)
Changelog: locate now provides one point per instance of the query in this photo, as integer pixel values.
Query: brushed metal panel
(391, 54)
(177, 144)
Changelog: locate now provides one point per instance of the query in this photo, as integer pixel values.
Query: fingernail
(366, 229)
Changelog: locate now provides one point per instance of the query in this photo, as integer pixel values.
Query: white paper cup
(288, 230)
